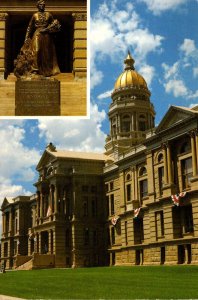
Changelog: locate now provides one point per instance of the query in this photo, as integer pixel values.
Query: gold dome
(130, 77)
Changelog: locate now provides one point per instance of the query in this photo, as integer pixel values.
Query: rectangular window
(85, 206)
(106, 187)
(93, 188)
(112, 235)
(112, 204)
(5, 249)
(86, 236)
(186, 166)
(107, 205)
(159, 224)
(15, 247)
(187, 219)
(111, 185)
(143, 188)
(128, 192)
(138, 230)
(7, 222)
(85, 188)
(126, 232)
(94, 207)
(95, 238)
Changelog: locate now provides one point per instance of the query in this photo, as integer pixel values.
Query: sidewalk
(2, 297)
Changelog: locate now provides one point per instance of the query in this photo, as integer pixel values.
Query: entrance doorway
(44, 242)
(63, 40)
(181, 254)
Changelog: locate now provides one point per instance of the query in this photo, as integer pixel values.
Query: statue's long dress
(42, 45)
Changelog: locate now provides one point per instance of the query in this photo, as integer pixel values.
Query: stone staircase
(73, 95)
(26, 266)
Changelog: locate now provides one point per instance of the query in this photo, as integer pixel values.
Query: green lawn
(162, 282)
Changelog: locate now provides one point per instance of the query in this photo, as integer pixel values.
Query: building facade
(137, 204)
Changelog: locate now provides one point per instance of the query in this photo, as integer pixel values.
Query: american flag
(177, 197)
(49, 211)
(136, 212)
(114, 220)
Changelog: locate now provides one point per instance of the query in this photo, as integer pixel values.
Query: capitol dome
(130, 78)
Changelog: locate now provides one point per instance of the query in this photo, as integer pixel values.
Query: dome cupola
(131, 114)
(130, 78)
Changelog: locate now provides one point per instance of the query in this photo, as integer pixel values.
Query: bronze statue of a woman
(38, 55)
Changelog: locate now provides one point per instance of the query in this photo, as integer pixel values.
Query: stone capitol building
(136, 204)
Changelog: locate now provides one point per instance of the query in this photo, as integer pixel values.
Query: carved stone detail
(79, 16)
(3, 16)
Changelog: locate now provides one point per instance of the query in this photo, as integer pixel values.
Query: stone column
(56, 200)
(39, 246)
(169, 162)
(165, 164)
(3, 19)
(52, 197)
(49, 241)
(10, 222)
(3, 222)
(196, 143)
(193, 149)
(38, 205)
(52, 242)
(80, 45)
(137, 125)
(132, 122)
(136, 183)
(119, 125)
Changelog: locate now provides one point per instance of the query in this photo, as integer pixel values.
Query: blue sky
(163, 39)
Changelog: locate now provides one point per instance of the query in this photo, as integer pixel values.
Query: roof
(65, 154)
(78, 155)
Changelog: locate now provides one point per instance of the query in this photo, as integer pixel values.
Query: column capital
(165, 145)
(3, 16)
(79, 16)
(192, 133)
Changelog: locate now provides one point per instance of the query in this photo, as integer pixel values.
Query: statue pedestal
(37, 97)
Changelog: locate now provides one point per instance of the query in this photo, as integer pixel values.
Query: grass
(157, 282)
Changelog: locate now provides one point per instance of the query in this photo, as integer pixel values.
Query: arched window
(49, 171)
(142, 171)
(128, 177)
(160, 158)
(126, 123)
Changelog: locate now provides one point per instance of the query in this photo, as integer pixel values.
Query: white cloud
(195, 72)
(159, 6)
(105, 95)
(176, 77)
(188, 46)
(143, 42)
(76, 135)
(193, 95)
(17, 161)
(15, 157)
(148, 72)
(170, 71)
(177, 87)
(113, 32)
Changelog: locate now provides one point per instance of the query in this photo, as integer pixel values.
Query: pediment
(5, 203)
(174, 116)
(45, 160)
